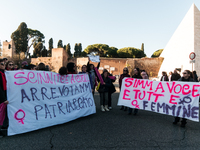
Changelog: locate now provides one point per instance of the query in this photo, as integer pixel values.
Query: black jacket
(107, 85)
(3, 93)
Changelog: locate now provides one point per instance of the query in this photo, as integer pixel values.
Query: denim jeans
(104, 98)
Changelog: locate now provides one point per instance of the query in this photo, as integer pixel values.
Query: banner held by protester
(175, 98)
(38, 99)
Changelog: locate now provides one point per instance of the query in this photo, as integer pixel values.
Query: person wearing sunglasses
(3, 88)
(84, 70)
(125, 74)
(185, 78)
(9, 66)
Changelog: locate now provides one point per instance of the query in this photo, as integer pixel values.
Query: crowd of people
(103, 83)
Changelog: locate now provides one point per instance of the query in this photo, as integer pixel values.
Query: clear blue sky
(118, 23)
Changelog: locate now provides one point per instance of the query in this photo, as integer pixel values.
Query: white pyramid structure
(186, 39)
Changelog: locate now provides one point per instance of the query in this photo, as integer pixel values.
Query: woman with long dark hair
(9, 66)
(136, 75)
(103, 90)
(125, 74)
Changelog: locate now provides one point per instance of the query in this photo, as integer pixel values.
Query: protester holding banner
(10, 65)
(195, 77)
(3, 92)
(144, 74)
(137, 76)
(185, 78)
(175, 76)
(92, 72)
(125, 74)
(71, 68)
(84, 70)
(103, 90)
(164, 76)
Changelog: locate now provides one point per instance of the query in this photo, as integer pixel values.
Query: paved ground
(110, 130)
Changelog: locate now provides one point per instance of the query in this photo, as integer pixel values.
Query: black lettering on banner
(186, 111)
(90, 100)
(171, 108)
(69, 106)
(178, 111)
(64, 91)
(87, 86)
(161, 106)
(43, 93)
(76, 89)
(145, 104)
(52, 93)
(59, 107)
(81, 102)
(194, 112)
(36, 110)
(81, 86)
(53, 110)
(74, 103)
(47, 111)
(24, 95)
(33, 93)
(72, 90)
(153, 106)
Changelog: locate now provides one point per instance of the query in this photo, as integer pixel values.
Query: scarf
(3, 80)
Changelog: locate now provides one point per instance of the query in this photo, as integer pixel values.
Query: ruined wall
(150, 65)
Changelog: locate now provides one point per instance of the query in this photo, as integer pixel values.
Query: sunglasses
(2, 64)
(125, 70)
(184, 73)
(10, 64)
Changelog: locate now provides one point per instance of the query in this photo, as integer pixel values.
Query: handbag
(101, 89)
(97, 88)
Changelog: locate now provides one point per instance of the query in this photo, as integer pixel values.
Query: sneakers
(110, 108)
(102, 108)
(106, 108)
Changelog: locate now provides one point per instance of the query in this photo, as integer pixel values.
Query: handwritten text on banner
(38, 99)
(172, 98)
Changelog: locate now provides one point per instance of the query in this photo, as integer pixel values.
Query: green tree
(130, 52)
(157, 53)
(20, 38)
(34, 35)
(112, 52)
(76, 50)
(38, 49)
(44, 52)
(142, 47)
(68, 50)
(50, 47)
(60, 44)
(100, 49)
(79, 49)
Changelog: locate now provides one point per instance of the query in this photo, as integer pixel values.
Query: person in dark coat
(164, 76)
(103, 90)
(111, 90)
(71, 68)
(195, 77)
(175, 76)
(91, 71)
(125, 74)
(137, 76)
(84, 70)
(185, 78)
(3, 89)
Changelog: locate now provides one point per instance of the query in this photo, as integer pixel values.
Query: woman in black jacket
(185, 78)
(3, 88)
(103, 90)
(137, 76)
